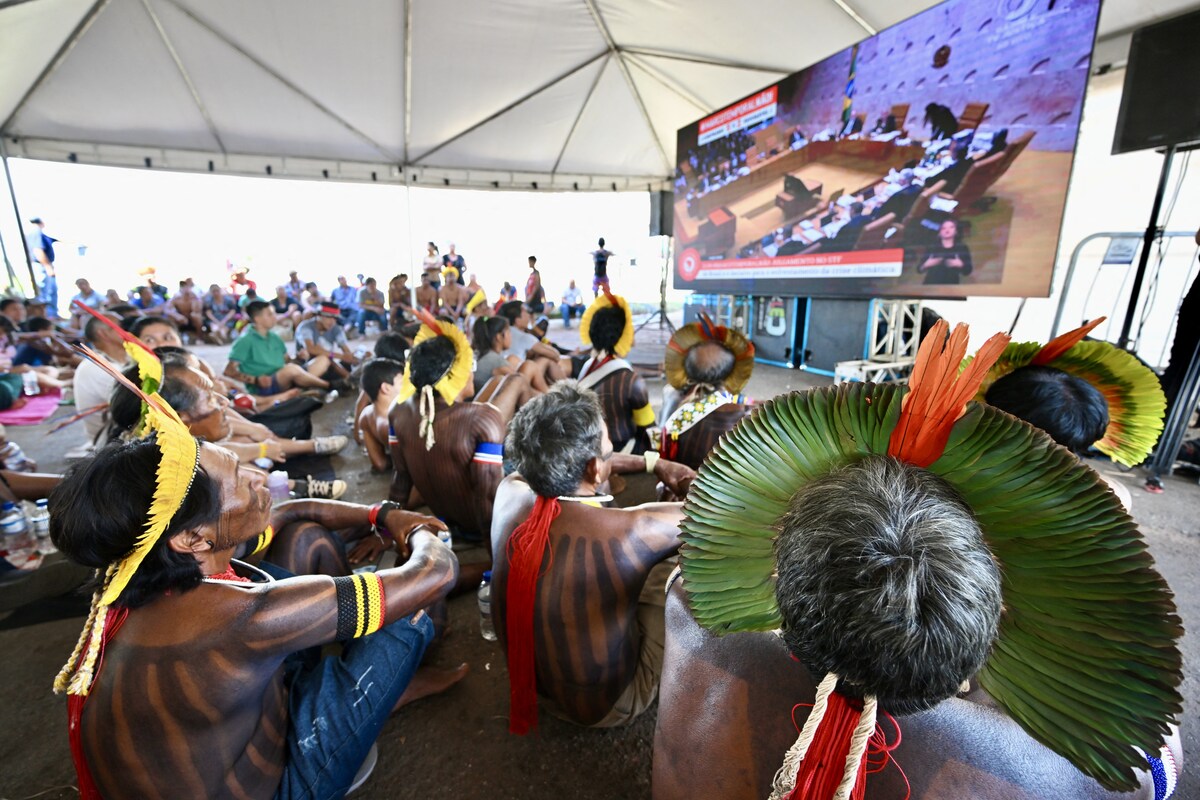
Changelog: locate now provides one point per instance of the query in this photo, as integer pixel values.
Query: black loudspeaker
(1159, 104)
(834, 330)
(662, 213)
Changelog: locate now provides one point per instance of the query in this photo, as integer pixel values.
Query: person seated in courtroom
(879, 580)
(794, 245)
(223, 643)
(321, 337)
(258, 358)
(580, 628)
(607, 327)
(847, 236)
(902, 201)
(706, 366)
(955, 168)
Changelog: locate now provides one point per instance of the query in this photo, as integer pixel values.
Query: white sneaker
(321, 490)
(327, 445)
(330, 396)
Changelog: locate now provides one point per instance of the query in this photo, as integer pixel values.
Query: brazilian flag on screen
(848, 97)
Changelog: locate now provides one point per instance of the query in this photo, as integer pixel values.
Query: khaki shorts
(642, 691)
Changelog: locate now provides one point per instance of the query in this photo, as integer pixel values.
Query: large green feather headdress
(1136, 402)
(1086, 659)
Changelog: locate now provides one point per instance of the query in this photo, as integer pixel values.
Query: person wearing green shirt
(259, 357)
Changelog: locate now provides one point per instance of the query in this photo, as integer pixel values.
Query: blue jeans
(364, 315)
(571, 311)
(49, 295)
(338, 705)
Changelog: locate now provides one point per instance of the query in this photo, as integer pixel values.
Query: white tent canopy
(563, 93)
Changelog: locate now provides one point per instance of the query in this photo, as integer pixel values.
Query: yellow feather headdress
(608, 300)
(475, 300)
(176, 471)
(702, 331)
(451, 384)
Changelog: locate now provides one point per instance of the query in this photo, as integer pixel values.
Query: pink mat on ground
(36, 410)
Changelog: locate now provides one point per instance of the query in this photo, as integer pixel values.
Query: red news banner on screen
(748, 112)
(929, 160)
(865, 264)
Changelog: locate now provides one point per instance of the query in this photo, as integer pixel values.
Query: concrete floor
(33, 748)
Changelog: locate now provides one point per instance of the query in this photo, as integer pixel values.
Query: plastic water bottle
(29, 383)
(277, 484)
(486, 627)
(40, 523)
(372, 328)
(15, 529)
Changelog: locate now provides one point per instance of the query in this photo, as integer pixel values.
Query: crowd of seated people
(488, 432)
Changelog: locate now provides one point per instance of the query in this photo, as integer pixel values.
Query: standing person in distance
(600, 258)
(41, 253)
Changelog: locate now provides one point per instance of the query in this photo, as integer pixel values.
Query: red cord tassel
(526, 548)
(824, 764)
(75, 703)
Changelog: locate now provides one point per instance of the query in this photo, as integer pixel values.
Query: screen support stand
(1151, 236)
(661, 314)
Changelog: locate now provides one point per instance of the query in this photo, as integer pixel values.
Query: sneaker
(327, 445)
(319, 490)
(330, 396)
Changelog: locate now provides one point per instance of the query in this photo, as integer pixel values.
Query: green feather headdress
(1086, 659)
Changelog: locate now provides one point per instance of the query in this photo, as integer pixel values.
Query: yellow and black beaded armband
(361, 605)
(264, 540)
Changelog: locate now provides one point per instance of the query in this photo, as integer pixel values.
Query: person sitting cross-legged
(707, 366)
(196, 676)
(595, 662)
(322, 336)
(864, 559)
(445, 446)
(607, 326)
(258, 357)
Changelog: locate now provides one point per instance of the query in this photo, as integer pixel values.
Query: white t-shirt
(521, 342)
(93, 387)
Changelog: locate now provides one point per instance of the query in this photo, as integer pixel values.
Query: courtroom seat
(973, 114)
(717, 232)
(872, 236)
(978, 180)
(899, 113)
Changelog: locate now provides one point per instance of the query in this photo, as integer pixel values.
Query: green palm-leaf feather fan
(1086, 659)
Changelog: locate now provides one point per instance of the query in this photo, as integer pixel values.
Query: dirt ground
(456, 745)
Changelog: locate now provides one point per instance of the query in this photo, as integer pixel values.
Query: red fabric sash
(75, 702)
(229, 575)
(526, 548)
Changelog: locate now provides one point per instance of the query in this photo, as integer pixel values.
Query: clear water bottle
(15, 529)
(277, 484)
(29, 383)
(40, 523)
(486, 627)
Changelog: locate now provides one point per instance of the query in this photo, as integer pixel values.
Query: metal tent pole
(12, 194)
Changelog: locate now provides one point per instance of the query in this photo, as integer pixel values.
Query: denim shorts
(338, 705)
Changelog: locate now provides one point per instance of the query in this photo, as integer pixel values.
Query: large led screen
(930, 160)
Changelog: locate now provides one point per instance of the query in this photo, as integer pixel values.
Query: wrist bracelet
(372, 518)
(262, 449)
(651, 461)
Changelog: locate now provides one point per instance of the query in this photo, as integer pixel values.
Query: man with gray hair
(578, 588)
